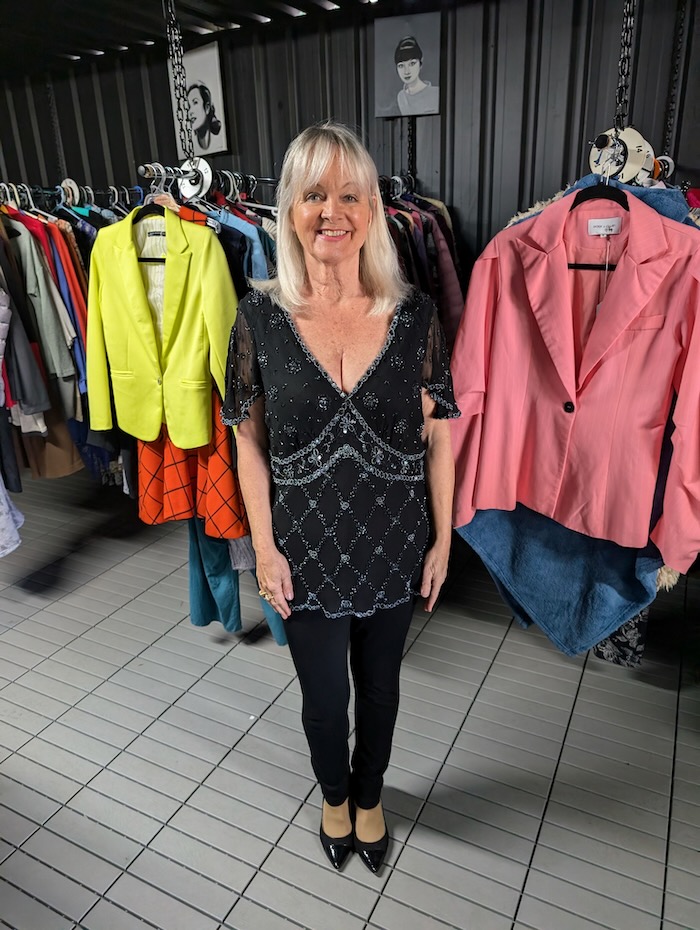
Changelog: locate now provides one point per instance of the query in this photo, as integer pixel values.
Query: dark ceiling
(40, 35)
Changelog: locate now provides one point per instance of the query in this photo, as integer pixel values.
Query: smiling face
(409, 70)
(331, 218)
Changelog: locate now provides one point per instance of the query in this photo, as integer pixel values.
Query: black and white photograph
(206, 101)
(407, 65)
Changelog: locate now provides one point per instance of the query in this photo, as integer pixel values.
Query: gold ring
(265, 595)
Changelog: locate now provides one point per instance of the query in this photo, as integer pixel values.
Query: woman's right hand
(275, 579)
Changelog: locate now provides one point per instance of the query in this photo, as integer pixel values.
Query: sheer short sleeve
(243, 380)
(437, 379)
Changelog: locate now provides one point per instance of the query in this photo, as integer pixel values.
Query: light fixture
(145, 42)
(69, 57)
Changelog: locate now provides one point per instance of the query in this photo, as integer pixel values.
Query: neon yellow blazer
(173, 386)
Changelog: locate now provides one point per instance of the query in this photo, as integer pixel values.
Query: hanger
(601, 192)
(150, 208)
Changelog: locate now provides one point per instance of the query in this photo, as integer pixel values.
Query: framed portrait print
(407, 65)
(206, 100)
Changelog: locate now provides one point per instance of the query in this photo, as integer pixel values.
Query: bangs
(313, 162)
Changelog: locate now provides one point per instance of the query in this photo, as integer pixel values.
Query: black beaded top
(349, 508)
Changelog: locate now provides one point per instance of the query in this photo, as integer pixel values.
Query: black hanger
(601, 192)
(598, 192)
(149, 209)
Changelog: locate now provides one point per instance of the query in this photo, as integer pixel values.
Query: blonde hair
(305, 161)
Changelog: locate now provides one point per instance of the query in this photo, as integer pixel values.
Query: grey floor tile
(141, 797)
(153, 776)
(202, 725)
(522, 795)
(265, 773)
(12, 737)
(180, 883)
(475, 887)
(229, 716)
(540, 915)
(268, 751)
(67, 694)
(312, 913)
(13, 827)
(58, 891)
(219, 866)
(316, 879)
(613, 789)
(247, 915)
(80, 744)
(605, 830)
(436, 902)
(22, 912)
(38, 778)
(31, 643)
(187, 767)
(589, 903)
(68, 674)
(487, 811)
(679, 857)
(71, 860)
(392, 915)
(116, 816)
(142, 684)
(107, 916)
(115, 713)
(467, 856)
(85, 833)
(597, 880)
(32, 700)
(229, 697)
(229, 839)
(274, 801)
(604, 855)
(158, 908)
(98, 727)
(681, 911)
(235, 812)
(611, 809)
(501, 842)
(593, 764)
(59, 760)
(134, 700)
(184, 740)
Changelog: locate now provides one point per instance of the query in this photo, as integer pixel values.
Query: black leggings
(319, 648)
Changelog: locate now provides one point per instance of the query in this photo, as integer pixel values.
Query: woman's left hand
(434, 574)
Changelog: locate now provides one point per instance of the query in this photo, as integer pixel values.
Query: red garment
(9, 399)
(76, 292)
(693, 197)
(176, 484)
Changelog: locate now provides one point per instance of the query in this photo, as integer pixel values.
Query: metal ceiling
(40, 35)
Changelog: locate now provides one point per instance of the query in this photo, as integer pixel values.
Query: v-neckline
(389, 338)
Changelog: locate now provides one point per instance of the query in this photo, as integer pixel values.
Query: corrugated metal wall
(526, 84)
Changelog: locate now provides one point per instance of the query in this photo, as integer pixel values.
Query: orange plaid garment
(177, 484)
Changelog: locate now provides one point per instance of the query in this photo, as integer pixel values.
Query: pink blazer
(564, 397)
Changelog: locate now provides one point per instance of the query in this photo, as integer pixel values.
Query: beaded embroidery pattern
(350, 503)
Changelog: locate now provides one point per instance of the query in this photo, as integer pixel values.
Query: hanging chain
(672, 99)
(56, 129)
(174, 36)
(625, 65)
(412, 147)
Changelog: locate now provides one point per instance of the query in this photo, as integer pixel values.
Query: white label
(606, 227)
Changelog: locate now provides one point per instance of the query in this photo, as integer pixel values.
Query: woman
(202, 115)
(339, 381)
(416, 97)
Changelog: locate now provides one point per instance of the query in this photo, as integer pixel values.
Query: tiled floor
(155, 775)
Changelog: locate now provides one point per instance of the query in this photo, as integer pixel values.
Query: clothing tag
(156, 232)
(605, 227)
